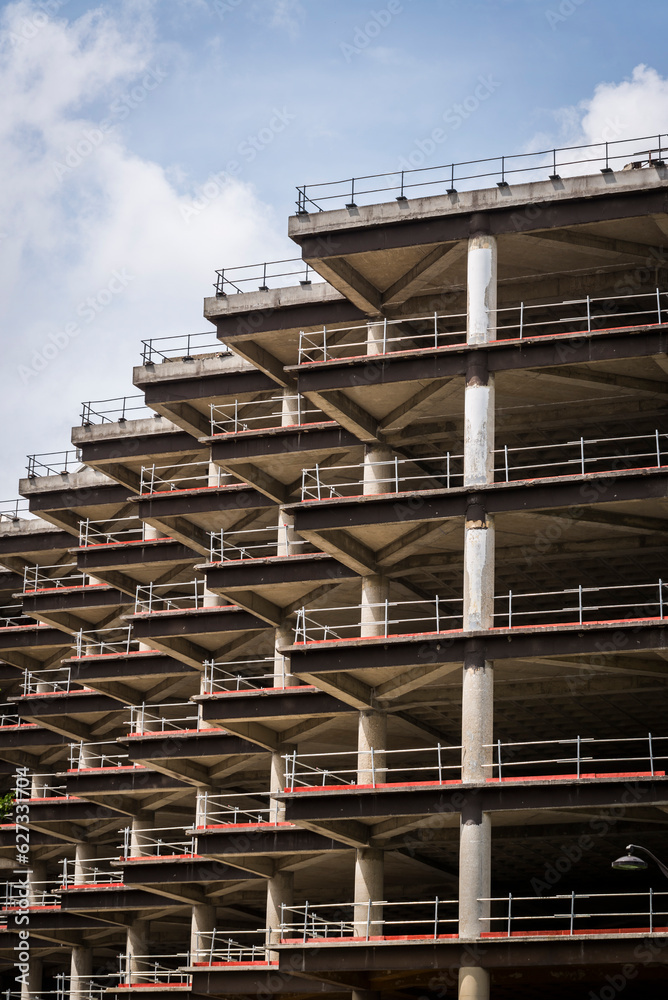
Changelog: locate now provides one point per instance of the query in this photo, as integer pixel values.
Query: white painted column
(477, 682)
(373, 607)
(378, 469)
(291, 406)
(202, 926)
(141, 829)
(151, 533)
(84, 858)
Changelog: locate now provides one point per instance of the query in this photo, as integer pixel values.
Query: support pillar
(378, 471)
(478, 611)
(369, 889)
(375, 337)
(286, 539)
(277, 785)
(33, 986)
(280, 892)
(136, 946)
(81, 970)
(202, 926)
(284, 636)
(291, 406)
(140, 829)
(371, 747)
(84, 854)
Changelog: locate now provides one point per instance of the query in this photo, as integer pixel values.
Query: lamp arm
(662, 868)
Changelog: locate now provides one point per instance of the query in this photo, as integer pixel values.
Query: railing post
(580, 602)
(651, 911)
(368, 910)
(658, 304)
(440, 771)
(387, 605)
(305, 917)
(373, 769)
(324, 343)
(572, 911)
(510, 904)
(438, 617)
(510, 609)
(578, 759)
(521, 319)
(651, 753)
(658, 449)
(435, 918)
(582, 455)
(661, 599)
(505, 453)
(498, 756)
(396, 473)
(435, 329)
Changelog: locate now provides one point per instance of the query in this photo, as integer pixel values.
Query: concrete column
(378, 472)
(286, 539)
(481, 281)
(151, 533)
(84, 854)
(36, 880)
(200, 706)
(375, 592)
(291, 406)
(474, 871)
(284, 636)
(202, 925)
(375, 336)
(280, 890)
(140, 829)
(473, 983)
(34, 984)
(37, 785)
(478, 613)
(215, 475)
(371, 735)
(136, 944)
(369, 888)
(277, 784)
(81, 970)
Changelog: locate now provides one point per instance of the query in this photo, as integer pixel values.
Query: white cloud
(77, 207)
(633, 108)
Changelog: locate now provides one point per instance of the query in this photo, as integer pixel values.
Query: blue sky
(195, 119)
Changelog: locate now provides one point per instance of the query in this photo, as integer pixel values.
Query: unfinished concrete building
(337, 658)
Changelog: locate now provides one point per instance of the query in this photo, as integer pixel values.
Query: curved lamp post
(630, 862)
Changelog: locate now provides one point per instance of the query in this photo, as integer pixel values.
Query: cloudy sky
(145, 143)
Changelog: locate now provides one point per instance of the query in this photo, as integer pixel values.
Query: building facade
(335, 661)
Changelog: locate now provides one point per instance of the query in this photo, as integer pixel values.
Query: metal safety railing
(115, 410)
(432, 330)
(14, 510)
(185, 476)
(93, 872)
(418, 765)
(384, 618)
(230, 279)
(47, 786)
(246, 675)
(13, 895)
(545, 164)
(182, 347)
(8, 719)
(579, 913)
(619, 602)
(394, 475)
(63, 990)
(115, 641)
(111, 531)
(274, 410)
(152, 598)
(61, 576)
(54, 463)
(90, 757)
(46, 680)
(523, 321)
(169, 717)
(218, 947)
(154, 970)
(161, 842)
(583, 756)
(376, 919)
(13, 616)
(228, 545)
(581, 456)
(223, 809)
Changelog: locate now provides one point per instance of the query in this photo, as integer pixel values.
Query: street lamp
(629, 862)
